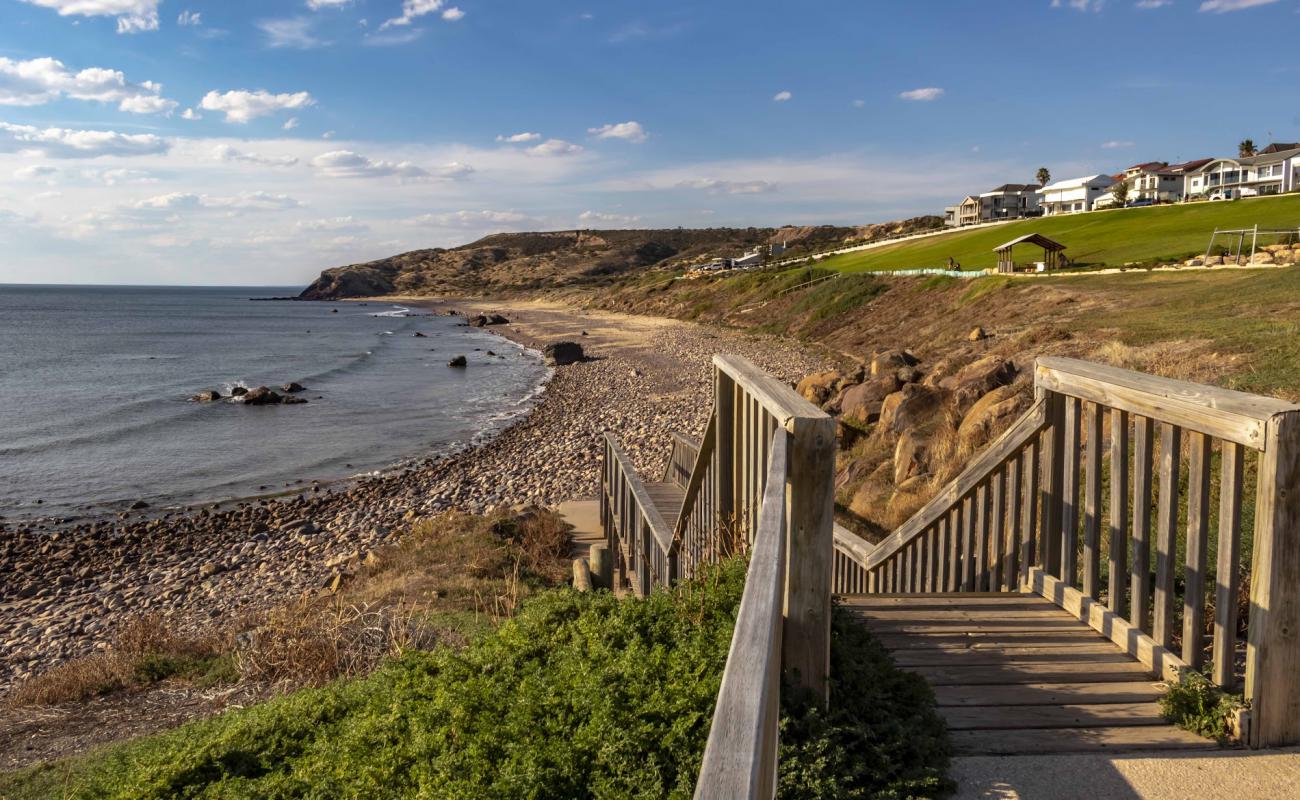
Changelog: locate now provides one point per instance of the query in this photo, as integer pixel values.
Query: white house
(1155, 181)
(1275, 170)
(754, 259)
(1009, 201)
(1079, 194)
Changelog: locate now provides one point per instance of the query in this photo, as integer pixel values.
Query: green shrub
(580, 695)
(1197, 705)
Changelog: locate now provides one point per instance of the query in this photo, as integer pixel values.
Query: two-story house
(1274, 170)
(1075, 195)
(1009, 201)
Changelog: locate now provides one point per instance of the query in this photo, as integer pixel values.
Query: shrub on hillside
(580, 695)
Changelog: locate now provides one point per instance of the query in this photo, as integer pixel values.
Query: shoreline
(70, 588)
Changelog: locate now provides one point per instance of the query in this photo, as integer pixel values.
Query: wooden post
(1140, 585)
(724, 453)
(1053, 465)
(602, 568)
(1273, 646)
(1116, 592)
(810, 503)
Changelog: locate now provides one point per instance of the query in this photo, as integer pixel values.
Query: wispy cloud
(629, 131)
(924, 95)
(1115, 144)
(1225, 6)
(67, 143)
(294, 33)
(241, 105)
(782, 97)
(133, 16)
(519, 138)
(555, 147)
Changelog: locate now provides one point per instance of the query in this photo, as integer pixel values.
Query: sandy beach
(66, 591)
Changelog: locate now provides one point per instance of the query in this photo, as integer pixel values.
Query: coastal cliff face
(521, 262)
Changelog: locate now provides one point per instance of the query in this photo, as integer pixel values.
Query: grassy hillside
(1159, 233)
(580, 696)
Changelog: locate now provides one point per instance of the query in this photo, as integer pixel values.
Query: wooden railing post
(1053, 466)
(810, 498)
(724, 453)
(1273, 646)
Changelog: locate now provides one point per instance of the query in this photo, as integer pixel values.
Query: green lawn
(1159, 233)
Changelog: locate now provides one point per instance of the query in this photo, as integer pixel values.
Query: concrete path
(1234, 774)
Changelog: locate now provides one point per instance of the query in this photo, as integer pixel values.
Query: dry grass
(145, 649)
(449, 576)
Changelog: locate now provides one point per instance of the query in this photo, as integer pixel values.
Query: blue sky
(242, 142)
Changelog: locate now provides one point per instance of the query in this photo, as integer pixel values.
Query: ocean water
(95, 381)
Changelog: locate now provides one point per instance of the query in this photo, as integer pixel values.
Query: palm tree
(1043, 176)
(1246, 148)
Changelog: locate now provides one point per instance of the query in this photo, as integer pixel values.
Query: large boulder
(458, 361)
(483, 320)
(862, 402)
(910, 456)
(989, 413)
(978, 378)
(907, 407)
(817, 387)
(560, 354)
(261, 396)
(890, 361)
(206, 396)
(292, 386)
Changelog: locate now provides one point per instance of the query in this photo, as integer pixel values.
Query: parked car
(1139, 203)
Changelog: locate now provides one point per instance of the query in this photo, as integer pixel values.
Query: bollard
(602, 567)
(581, 575)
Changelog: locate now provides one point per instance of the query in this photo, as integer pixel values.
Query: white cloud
(715, 186)
(347, 224)
(630, 131)
(191, 114)
(189, 19)
(225, 152)
(347, 164)
(133, 16)
(66, 143)
(453, 14)
(43, 80)
(290, 123)
(474, 219)
(242, 105)
(412, 10)
(923, 95)
(519, 138)
(555, 147)
(782, 97)
(601, 218)
(1115, 144)
(1149, 4)
(118, 176)
(35, 172)
(1224, 6)
(1080, 5)
(295, 33)
(317, 5)
(189, 201)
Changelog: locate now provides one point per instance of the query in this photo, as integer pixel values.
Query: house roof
(1190, 166)
(1149, 166)
(1032, 238)
(1278, 147)
(1074, 183)
(1012, 188)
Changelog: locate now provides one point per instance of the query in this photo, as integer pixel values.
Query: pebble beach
(66, 588)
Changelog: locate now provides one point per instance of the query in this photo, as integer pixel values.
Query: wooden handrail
(740, 757)
(1222, 413)
(662, 532)
(1023, 431)
(703, 457)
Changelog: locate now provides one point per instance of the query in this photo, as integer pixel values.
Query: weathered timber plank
(1221, 413)
(1077, 740)
(1049, 694)
(1014, 672)
(1091, 715)
(963, 657)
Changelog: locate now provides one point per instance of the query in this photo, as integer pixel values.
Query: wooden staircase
(1046, 593)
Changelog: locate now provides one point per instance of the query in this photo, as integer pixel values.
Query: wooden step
(1046, 694)
(1040, 741)
(1092, 715)
(912, 641)
(1093, 653)
(1015, 672)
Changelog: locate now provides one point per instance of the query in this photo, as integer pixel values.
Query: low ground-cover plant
(1197, 705)
(580, 695)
